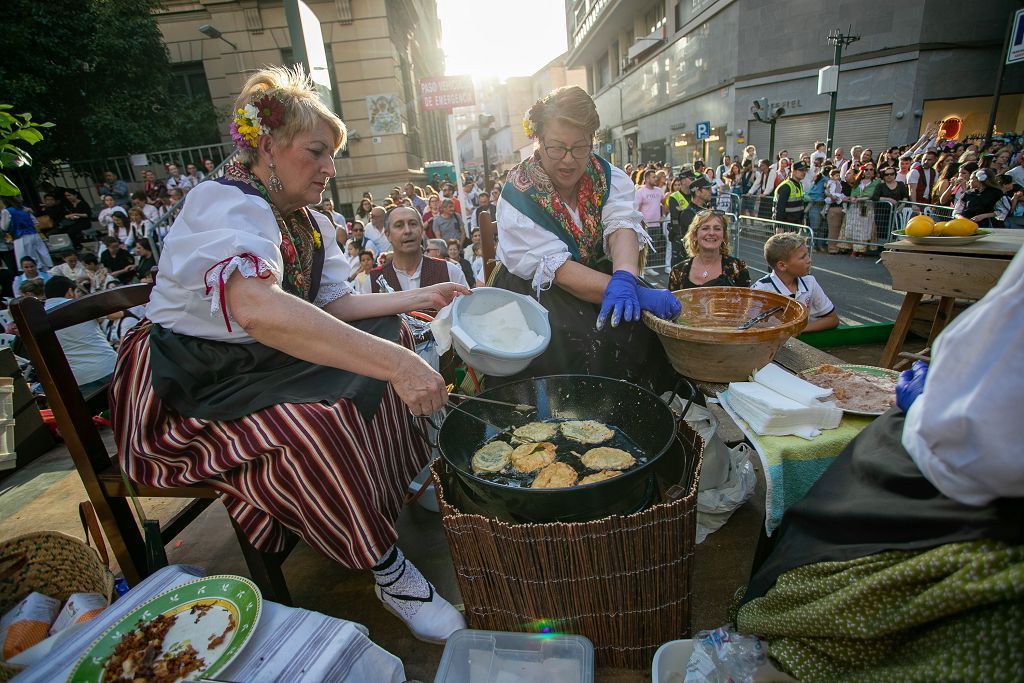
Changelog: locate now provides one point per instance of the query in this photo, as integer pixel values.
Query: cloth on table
(953, 612)
(793, 464)
(289, 644)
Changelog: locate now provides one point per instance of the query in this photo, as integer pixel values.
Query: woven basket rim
(671, 330)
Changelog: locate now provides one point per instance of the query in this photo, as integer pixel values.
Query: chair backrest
(38, 329)
(488, 242)
(59, 242)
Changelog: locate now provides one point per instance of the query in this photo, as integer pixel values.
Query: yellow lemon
(920, 226)
(939, 229)
(960, 227)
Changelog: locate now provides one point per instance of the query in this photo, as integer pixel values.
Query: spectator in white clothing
(89, 354)
(109, 207)
(139, 202)
(177, 181)
(71, 268)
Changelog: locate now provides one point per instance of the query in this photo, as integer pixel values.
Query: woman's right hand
(418, 385)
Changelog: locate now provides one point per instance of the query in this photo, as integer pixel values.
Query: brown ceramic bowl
(704, 344)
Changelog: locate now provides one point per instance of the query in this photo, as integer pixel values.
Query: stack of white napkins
(778, 403)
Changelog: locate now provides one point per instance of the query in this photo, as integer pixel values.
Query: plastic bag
(724, 656)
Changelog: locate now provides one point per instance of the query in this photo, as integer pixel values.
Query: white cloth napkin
(441, 326)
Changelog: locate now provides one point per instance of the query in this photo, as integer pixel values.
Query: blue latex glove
(660, 302)
(619, 300)
(910, 384)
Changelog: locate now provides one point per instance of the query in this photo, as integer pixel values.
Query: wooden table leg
(900, 329)
(943, 315)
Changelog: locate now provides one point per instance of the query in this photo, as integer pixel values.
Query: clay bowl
(703, 342)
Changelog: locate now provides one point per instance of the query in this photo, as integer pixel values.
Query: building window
(616, 62)
(655, 18)
(191, 92)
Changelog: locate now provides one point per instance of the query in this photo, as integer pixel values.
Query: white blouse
(535, 253)
(219, 230)
(961, 431)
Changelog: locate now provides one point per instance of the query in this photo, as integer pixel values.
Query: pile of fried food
(538, 455)
(140, 656)
(855, 390)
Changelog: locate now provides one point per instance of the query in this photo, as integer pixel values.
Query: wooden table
(966, 272)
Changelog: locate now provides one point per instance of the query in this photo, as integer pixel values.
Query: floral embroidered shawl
(302, 247)
(529, 189)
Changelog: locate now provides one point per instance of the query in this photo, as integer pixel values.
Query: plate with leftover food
(857, 389)
(193, 630)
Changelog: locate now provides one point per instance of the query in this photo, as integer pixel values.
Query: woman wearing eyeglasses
(709, 263)
(568, 234)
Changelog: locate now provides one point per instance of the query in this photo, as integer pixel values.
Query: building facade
(376, 52)
(658, 69)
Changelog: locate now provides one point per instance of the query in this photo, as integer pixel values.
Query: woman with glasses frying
(569, 235)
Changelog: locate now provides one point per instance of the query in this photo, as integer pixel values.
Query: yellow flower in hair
(527, 128)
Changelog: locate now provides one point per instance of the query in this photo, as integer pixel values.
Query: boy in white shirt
(790, 260)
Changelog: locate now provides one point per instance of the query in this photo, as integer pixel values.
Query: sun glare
(500, 39)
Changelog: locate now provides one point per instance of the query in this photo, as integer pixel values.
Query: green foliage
(16, 130)
(100, 71)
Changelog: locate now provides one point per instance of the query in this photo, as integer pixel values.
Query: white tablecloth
(289, 644)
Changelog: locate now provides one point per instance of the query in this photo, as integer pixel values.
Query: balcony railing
(587, 21)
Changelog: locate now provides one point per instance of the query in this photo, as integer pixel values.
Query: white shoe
(431, 620)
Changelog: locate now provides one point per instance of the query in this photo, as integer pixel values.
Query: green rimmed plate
(223, 597)
(869, 370)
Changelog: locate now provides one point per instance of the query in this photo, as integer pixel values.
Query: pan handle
(422, 432)
(691, 390)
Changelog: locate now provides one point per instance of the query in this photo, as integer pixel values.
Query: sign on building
(703, 130)
(1016, 51)
(446, 93)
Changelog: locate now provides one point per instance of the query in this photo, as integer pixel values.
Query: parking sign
(703, 130)
(1015, 53)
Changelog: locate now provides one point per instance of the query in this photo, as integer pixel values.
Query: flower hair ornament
(263, 114)
(528, 128)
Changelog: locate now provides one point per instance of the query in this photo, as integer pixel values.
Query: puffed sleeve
(334, 282)
(220, 230)
(960, 431)
(619, 212)
(526, 249)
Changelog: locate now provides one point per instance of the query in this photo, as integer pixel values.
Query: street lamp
(485, 124)
(761, 112)
(840, 40)
(211, 32)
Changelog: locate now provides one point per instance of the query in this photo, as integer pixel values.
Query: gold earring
(275, 182)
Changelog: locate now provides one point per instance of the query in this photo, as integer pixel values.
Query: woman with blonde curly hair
(709, 263)
(570, 234)
(261, 375)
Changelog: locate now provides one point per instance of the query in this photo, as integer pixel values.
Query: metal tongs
(518, 407)
(758, 318)
(501, 430)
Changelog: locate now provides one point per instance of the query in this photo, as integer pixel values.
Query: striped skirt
(321, 471)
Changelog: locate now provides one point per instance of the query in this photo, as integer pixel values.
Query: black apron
(872, 499)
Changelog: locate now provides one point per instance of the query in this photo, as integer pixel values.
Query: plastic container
(496, 656)
(669, 665)
(7, 452)
(487, 359)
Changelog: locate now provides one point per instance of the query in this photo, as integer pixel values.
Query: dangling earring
(275, 182)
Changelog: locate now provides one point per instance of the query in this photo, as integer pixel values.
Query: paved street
(859, 287)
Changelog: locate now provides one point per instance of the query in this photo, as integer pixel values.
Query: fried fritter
(493, 457)
(535, 432)
(605, 458)
(530, 457)
(603, 475)
(557, 475)
(586, 431)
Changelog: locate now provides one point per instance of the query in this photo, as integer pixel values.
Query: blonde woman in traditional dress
(260, 374)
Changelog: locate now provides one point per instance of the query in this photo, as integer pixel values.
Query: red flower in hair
(271, 111)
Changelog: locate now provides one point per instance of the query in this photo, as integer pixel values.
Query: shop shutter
(865, 126)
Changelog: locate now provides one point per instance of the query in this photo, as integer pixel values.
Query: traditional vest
(433, 271)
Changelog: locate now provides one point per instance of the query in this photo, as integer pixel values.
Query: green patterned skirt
(950, 613)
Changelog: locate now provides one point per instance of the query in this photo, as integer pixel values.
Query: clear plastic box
(502, 657)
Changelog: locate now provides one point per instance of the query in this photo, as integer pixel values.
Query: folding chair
(101, 474)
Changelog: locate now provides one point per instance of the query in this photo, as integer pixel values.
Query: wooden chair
(100, 473)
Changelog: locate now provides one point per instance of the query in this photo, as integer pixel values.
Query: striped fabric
(319, 470)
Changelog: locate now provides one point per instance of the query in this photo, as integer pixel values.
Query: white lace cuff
(545, 275)
(249, 265)
(641, 235)
(331, 291)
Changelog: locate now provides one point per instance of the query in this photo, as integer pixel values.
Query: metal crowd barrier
(660, 255)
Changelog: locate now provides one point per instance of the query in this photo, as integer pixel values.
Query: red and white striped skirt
(322, 471)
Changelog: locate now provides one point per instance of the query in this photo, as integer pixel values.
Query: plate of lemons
(955, 232)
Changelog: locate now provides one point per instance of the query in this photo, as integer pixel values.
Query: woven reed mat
(624, 582)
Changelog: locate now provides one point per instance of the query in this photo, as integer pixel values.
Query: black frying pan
(641, 415)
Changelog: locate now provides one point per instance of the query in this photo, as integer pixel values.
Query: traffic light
(485, 122)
